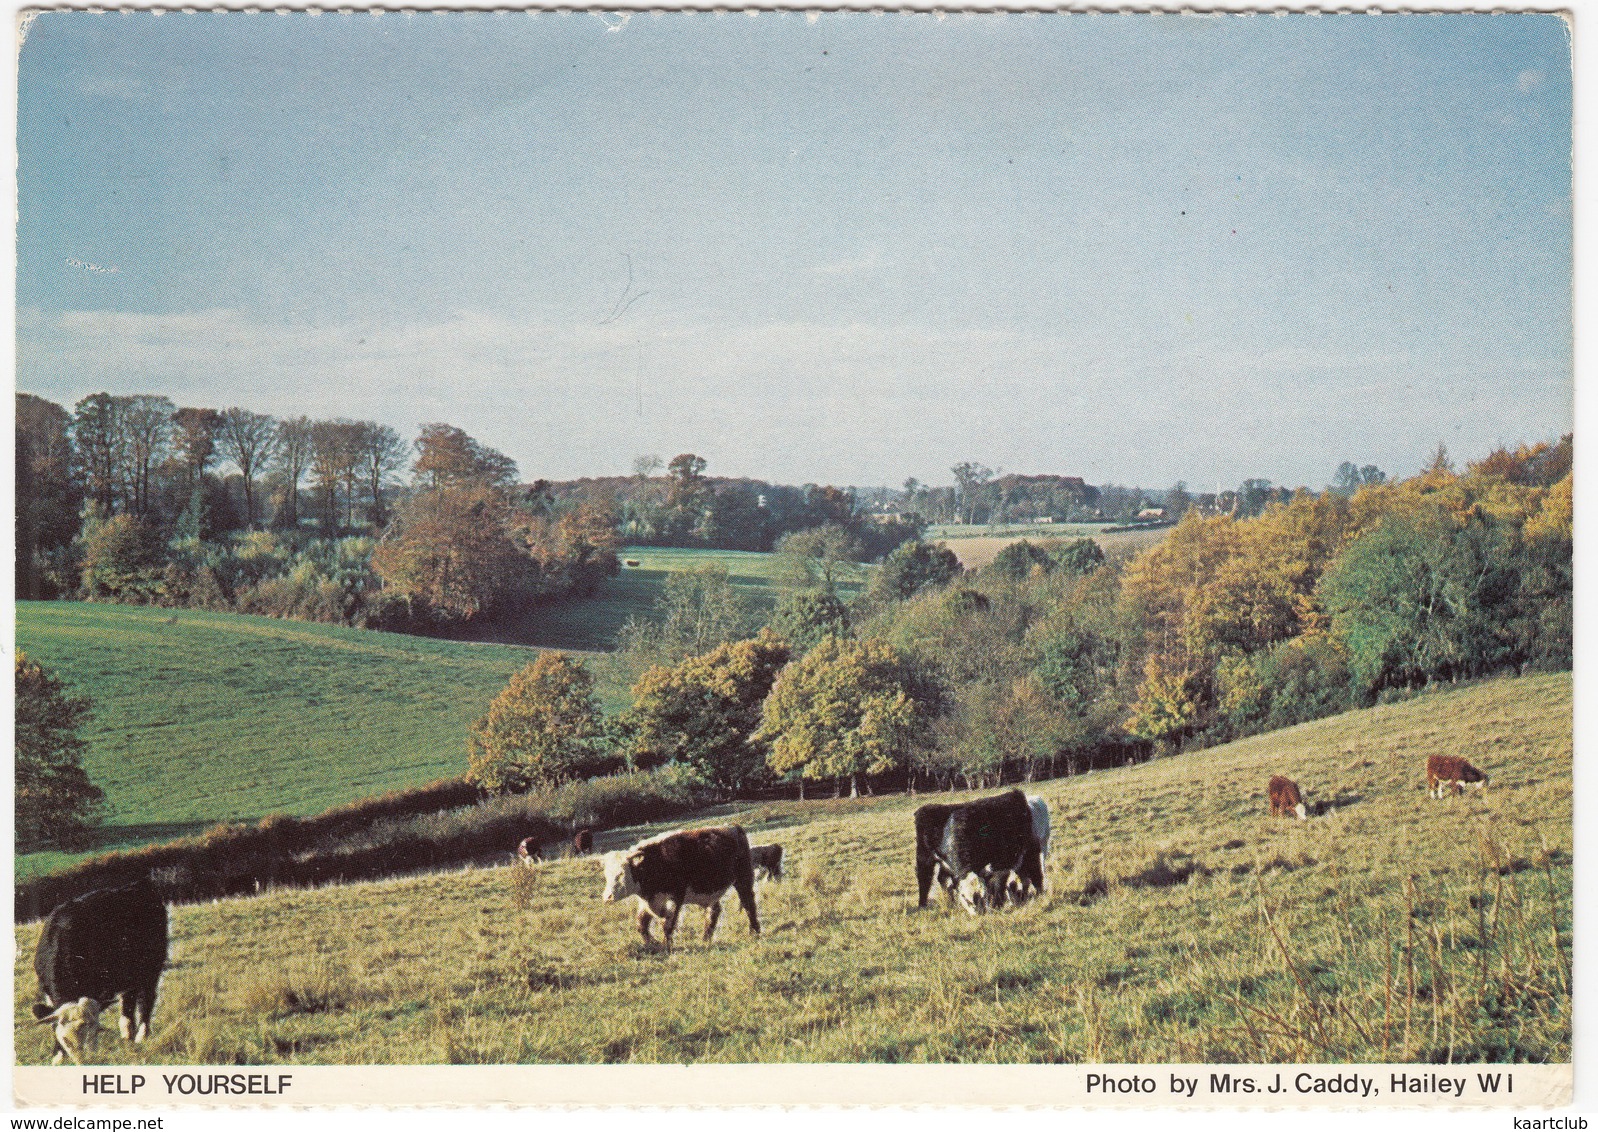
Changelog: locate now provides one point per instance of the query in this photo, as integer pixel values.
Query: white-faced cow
(1285, 797)
(695, 866)
(767, 861)
(1444, 771)
(976, 847)
(105, 944)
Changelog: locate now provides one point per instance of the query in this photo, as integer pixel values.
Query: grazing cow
(1443, 771)
(102, 945)
(583, 842)
(767, 861)
(1285, 798)
(529, 852)
(695, 866)
(976, 847)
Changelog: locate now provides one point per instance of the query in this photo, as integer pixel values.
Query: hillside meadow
(1182, 924)
(207, 717)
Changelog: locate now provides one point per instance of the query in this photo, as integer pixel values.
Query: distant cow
(529, 852)
(583, 842)
(105, 944)
(767, 861)
(1443, 771)
(695, 866)
(1285, 798)
(976, 847)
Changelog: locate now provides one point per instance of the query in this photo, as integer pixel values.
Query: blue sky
(847, 249)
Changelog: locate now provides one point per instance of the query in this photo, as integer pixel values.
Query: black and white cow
(767, 861)
(972, 848)
(695, 866)
(105, 944)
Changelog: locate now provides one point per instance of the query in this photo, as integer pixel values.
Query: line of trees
(125, 499)
(1056, 659)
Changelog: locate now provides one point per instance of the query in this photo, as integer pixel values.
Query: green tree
(911, 567)
(55, 801)
(1078, 555)
(849, 708)
(818, 557)
(704, 711)
(545, 728)
(1423, 596)
(1019, 560)
(804, 618)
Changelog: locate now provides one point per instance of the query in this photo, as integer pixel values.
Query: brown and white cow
(1285, 798)
(1443, 771)
(694, 866)
(528, 852)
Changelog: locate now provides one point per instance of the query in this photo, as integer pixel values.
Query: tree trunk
(854, 787)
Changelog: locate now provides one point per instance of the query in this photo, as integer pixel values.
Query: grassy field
(982, 544)
(593, 623)
(1182, 924)
(205, 717)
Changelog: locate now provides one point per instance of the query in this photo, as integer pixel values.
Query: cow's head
(619, 880)
(77, 1025)
(974, 894)
(1303, 814)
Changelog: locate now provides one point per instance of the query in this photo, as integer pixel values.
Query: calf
(583, 842)
(105, 944)
(767, 861)
(695, 866)
(1285, 798)
(1443, 771)
(528, 852)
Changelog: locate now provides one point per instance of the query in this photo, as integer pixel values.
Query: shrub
(545, 728)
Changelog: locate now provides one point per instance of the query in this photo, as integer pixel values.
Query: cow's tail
(743, 878)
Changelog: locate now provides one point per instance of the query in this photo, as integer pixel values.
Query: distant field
(976, 550)
(205, 717)
(593, 623)
(1182, 924)
(942, 531)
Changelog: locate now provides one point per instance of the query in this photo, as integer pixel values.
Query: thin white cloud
(860, 265)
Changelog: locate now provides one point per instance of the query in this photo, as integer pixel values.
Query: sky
(845, 249)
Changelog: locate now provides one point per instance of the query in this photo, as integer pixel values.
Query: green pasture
(593, 623)
(1182, 924)
(208, 717)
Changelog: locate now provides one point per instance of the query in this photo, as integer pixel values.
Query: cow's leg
(923, 876)
(1032, 868)
(129, 1020)
(144, 1011)
(668, 923)
(644, 917)
(710, 920)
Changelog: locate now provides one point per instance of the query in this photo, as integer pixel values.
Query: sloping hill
(207, 717)
(1182, 924)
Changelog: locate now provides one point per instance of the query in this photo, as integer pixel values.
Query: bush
(545, 728)
(804, 618)
(911, 567)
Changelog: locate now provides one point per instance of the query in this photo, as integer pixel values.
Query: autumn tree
(545, 728)
(195, 436)
(849, 708)
(447, 457)
(122, 557)
(100, 443)
(147, 422)
(249, 440)
(335, 457)
(449, 554)
(55, 801)
(804, 618)
(704, 711)
(381, 453)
